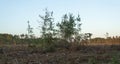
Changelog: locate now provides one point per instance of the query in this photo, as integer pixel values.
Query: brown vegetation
(35, 55)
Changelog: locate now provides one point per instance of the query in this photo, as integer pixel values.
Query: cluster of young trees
(69, 27)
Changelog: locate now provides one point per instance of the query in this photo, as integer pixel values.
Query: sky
(97, 16)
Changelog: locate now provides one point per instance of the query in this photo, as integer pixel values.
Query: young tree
(70, 26)
(30, 31)
(47, 26)
(22, 36)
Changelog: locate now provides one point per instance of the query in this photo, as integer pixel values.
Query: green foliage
(92, 61)
(48, 47)
(32, 45)
(47, 26)
(30, 31)
(66, 26)
(6, 38)
(69, 26)
(61, 43)
(115, 60)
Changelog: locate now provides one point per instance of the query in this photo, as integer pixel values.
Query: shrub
(62, 44)
(115, 60)
(48, 48)
(32, 45)
(92, 61)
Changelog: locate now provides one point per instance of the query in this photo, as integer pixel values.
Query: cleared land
(99, 54)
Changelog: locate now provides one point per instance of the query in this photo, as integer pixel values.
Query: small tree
(47, 26)
(22, 36)
(30, 31)
(69, 26)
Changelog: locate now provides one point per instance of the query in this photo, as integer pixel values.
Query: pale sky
(97, 16)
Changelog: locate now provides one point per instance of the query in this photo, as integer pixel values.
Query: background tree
(87, 37)
(22, 36)
(107, 35)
